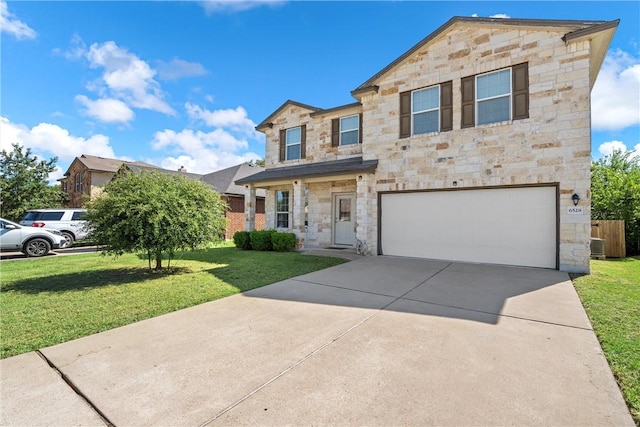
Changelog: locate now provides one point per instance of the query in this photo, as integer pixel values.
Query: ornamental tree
(24, 183)
(155, 213)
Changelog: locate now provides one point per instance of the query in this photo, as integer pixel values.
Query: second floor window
(425, 110)
(493, 95)
(78, 187)
(292, 143)
(349, 130)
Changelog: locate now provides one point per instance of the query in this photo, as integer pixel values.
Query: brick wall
(235, 215)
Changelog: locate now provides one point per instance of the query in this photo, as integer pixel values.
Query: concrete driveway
(377, 341)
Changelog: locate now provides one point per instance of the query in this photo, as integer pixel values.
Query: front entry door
(344, 219)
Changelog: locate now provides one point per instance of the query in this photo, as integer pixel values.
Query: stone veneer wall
(552, 145)
(320, 198)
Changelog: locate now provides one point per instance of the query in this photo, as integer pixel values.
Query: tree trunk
(158, 260)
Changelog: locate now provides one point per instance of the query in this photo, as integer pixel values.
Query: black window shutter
(303, 141)
(520, 82)
(405, 114)
(446, 106)
(468, 101)
(360, 128)
(283, 145)
(335, 132)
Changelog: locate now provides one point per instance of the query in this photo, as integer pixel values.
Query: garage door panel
(514, 226)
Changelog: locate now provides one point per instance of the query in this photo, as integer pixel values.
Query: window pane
(78, 215)
(282, 201)
(282, 220)
(425, 122)
(293, 152)
(294, 136)
(426, 99)
(345, 209)
(494, 110)
(349, 123)
(494, 84)
(349, 138)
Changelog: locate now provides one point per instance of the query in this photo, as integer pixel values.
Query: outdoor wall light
(575, 199)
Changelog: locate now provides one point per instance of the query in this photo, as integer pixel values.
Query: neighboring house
(473, 146)
(222, 181)
(87, 175)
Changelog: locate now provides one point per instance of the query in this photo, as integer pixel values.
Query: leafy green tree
(24, 183)
(615, 193)
(256, 162)
(156, 214)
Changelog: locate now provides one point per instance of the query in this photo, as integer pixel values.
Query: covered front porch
(325, 204)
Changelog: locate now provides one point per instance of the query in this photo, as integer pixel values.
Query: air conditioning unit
(597, 248)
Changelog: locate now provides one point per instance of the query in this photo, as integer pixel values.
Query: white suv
(68, 221)
(34, 242)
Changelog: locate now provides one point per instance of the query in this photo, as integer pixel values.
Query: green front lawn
(611, 297)
(56, 299)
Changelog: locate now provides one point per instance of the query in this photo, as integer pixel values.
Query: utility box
(597, 248)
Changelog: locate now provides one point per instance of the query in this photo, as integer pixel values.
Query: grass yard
(611, 297)
(56, 299)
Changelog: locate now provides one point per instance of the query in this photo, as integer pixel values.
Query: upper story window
(78, 183)
(346, 130)
(493, 95)
(293, 143)
(426, 110)
(496, 96)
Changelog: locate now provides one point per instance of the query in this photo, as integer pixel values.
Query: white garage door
(513, 226)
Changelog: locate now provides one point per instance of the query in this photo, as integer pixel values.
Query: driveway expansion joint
(76, 390)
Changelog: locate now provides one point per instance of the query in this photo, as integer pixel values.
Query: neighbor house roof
(224, 180)
(139, 168)
(310, 170)
(103, 164)
(599, 32)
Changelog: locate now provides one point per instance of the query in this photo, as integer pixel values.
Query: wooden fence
(612, 231)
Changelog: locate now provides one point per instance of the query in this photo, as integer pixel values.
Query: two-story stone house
(474, 145)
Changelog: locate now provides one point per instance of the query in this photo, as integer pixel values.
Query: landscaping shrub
(283, 242)
(261, 240)
(242, 240)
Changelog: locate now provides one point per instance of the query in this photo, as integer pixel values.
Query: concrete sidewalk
(377, 341)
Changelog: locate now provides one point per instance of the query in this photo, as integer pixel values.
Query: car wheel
(37, 247)
(68, 240)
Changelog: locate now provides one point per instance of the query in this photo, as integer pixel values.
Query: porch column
(249, 207)
(298, 211)
(365, 215)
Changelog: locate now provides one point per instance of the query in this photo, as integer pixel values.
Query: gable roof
(103, 164)
(574, 29)
(267, 122)
(137, 168)
(223, 180)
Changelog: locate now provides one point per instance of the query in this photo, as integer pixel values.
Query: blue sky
(184, 83)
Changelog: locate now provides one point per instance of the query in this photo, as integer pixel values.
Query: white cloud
(127, 77)
(497, 15)
(236, 120)
(609, 147)
(201, 152)
(50, 138)
(211, 6)
(107, 110)
(615, 104)
(11, 25)
(179, 68)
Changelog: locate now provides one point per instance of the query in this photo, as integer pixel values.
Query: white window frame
(489, 98)
(287, 144)
(279, 212)
(356, 129)
(414, 113)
